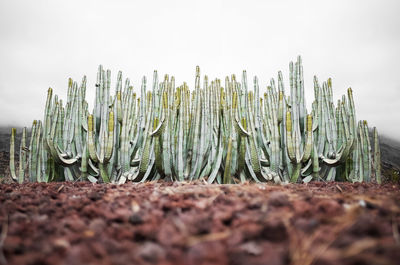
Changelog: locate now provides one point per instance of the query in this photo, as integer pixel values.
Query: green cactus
(222, 134)
(377, 156)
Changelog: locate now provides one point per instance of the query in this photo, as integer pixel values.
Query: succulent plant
(223, 134)
(377, 156)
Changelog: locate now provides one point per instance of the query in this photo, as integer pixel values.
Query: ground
(196, 223)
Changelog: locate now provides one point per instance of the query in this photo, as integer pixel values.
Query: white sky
(42, 43)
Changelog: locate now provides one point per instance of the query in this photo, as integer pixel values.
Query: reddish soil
(181, 223)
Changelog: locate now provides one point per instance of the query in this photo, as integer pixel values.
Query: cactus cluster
(219, 133)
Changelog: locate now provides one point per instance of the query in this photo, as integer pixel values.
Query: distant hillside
(390, 150)
(5, 134)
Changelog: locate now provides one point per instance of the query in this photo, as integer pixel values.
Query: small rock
(88, 233)
(252, 248)
(94, 196)
(135, 219)
(61, 243)
(278, 199)
(152, 252)
(122, 214)
(97, 225)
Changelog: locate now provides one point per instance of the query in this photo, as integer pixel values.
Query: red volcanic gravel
(195, 223)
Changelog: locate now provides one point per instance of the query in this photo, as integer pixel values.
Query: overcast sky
(357, 43)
